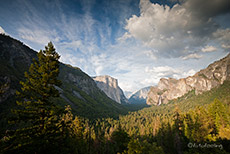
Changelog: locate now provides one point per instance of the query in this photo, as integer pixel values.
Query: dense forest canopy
(189, 124)
(114, 77)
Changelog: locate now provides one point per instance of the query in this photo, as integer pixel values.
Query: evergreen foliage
(120, 139)
(191, 124)
(36, 119)
(136, 146)
(16, 58)
(202, 129)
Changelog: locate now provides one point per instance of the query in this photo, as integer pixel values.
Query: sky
(136, 42)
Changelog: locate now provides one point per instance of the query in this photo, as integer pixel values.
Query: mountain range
(99, 96)
(78, 89)
(140, 96)
(204, 80)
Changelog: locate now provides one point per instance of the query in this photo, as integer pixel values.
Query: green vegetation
(202, 75)
(36, 115)
(160, 93)
(162, 129)
(43, 122)
(39, 125)
(15, 59)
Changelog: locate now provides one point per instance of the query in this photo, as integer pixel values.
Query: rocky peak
(78, 89)
(112, 82)
(204, 80)
(110, 87)
(140, 96)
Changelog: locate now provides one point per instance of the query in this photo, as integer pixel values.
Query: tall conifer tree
(37, 113)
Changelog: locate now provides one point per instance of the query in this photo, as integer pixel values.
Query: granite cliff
(140, 96)
(204, 80)
(110, 87)
(78, 89)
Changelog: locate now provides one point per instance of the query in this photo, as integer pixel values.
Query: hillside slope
(78, 89)
(188, 102)
(167, 89)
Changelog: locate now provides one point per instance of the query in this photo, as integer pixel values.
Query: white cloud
(98, 63)
(126, 86)
(72, 44)
(124, 37)
(164, 71)
(150, 53)
(69, 59)
(208, 49)
(37, 35)
(192, 56)
(223, 36)
(160, 69)
(150, 81)
(2, 30)
(189, 73)
(225, 46)
(156, 73)
(98, 48)
(176, 31)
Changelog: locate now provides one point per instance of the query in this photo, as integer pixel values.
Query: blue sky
(137, 42)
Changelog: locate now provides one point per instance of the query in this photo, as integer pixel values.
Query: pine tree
(70, 136)
(120, 139)
(220, 120)
(137, 146)
(37, 114)
(178, 127)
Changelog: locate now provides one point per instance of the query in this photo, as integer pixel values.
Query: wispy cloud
(225, 46)
(38, 35)
(155, 73)
(223, 36)
(192, 56)
(114, 38)
(208, 49)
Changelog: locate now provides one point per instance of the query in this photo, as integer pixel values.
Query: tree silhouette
(36, 116)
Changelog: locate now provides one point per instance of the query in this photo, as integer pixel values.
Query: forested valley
(189, 124)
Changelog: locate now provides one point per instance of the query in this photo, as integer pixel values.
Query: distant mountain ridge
(140, 96)
(128, 94)
(78, 89)
(111, 88)
(204, 80)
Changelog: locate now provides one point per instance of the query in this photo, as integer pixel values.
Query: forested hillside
(189, 124)
(77, 89)
(39, 117)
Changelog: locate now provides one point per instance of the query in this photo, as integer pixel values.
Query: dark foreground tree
(36, 117)
(120, 139)
(136, 146)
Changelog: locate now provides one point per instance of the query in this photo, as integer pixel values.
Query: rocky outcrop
(15, 59)
(78, 89)
(83, 82)
(140, 96)
(204, 80)
(110, 87)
